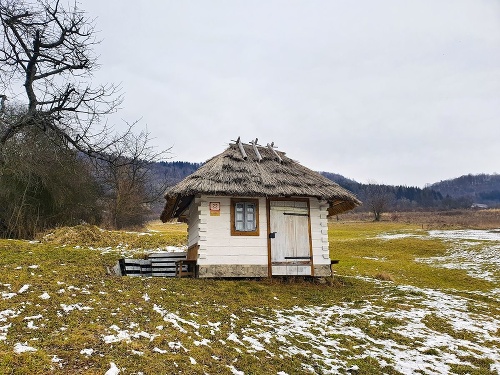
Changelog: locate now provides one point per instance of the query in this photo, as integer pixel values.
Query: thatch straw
(229, 174)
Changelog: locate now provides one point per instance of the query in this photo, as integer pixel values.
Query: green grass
(171, 321)
(360, 253)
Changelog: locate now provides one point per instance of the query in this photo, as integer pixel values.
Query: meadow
(405, 298)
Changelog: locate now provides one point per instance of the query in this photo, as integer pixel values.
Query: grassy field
(404, 300)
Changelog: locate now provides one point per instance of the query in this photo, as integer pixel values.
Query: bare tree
(129, 180)
(46, 56)
(46, 66)
(377, 199)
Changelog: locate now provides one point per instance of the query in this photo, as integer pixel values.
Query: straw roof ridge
(231, 174)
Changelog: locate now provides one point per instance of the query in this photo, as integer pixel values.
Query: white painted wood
(303, 270)
(289, 221)
(291, 270)
(234, 259)
(217, 246)
(193, 223)
(251, 250)
(278, 270)
(222, 248)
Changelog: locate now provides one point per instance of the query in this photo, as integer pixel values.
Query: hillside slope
(481, 188)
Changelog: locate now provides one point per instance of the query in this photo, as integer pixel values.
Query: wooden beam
(257, 153)
(271, 147)
(242, 150)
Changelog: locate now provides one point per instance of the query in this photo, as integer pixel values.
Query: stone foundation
(322, 270)
(232, 270)
(249, 270)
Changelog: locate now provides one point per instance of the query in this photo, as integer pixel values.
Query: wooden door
(289, 238)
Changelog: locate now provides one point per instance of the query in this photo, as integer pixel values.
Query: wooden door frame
(268, 212)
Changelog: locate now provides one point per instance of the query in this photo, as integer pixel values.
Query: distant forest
(461, 192)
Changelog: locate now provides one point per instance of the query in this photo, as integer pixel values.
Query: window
(244, 217)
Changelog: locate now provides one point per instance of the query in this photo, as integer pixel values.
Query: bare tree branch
(46, 49)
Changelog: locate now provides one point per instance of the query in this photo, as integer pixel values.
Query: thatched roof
(275, 175)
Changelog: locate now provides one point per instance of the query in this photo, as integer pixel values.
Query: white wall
(319, 231)
(193, 222)
(217, 246)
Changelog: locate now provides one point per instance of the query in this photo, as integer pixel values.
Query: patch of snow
(8, 295)
(374, 258)
(202, 342)
(480, 263)
(174, 319)
(125, 335)
(397, 236)
(176, 345)
(24, 288)
(88, 352)
(235, 371)
(234, 337)
(45, 295)
(254, 343)
(56, 359)
(323, 329)
(158, 350)
(3, 331)
(23, 348)
(192, 360)
(467, 234)
(113, 370)
(34, 266)
(146, 297)
(176, 249)
(76, 306)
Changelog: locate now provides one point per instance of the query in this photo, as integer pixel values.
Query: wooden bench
(135, 267)
(158, 264)
(188, 266)
(164, 264)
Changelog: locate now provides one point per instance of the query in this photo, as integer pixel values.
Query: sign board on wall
(214, 208)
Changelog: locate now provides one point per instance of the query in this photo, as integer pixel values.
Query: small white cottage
(254, 212)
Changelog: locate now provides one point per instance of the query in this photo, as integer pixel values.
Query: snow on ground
(126, 252)
(468, 251)
(467, 234)
(408, 346)
(413, 330)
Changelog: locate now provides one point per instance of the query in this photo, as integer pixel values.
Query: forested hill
(174, 171)
(460, 192)
(481, 188)
(395, 197)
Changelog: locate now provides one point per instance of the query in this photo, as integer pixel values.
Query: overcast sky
(397, 92)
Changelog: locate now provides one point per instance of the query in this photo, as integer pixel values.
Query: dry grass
(200, 317)
(454, 219)
(156, 235)
(384, 276)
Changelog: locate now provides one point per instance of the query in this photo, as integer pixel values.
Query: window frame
(234, 231)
